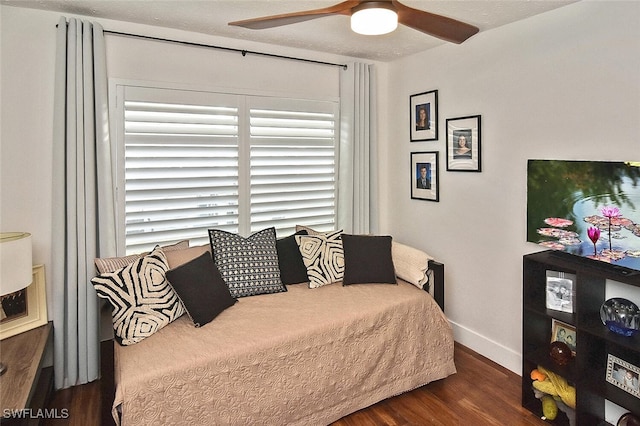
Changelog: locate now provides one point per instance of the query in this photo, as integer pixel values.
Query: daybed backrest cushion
(176, 258)
(323, 257)
(201, 289)
(367, 259)
(249, 266)
(311, 231)
(111, 264)
(411, 264)
(143, 301)
(292, 269)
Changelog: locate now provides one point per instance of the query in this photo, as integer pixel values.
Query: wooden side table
(26, 385)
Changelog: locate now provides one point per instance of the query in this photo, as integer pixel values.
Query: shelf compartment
(533, 404)
(600, 331)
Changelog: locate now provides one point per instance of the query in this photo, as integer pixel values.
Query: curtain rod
(229, 49)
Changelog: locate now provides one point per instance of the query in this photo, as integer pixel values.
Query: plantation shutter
(196, 160)
(181, 166)
(292, 164)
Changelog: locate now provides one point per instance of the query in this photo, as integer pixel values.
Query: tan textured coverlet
(304, 357)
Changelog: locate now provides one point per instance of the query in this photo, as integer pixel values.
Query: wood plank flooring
(481, 393)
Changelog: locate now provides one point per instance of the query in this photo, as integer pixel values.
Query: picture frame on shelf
(423, 113)
(464, 144)
(33, 310)
(424, 176)
(560, 291)
(623, 375)
(565, 333)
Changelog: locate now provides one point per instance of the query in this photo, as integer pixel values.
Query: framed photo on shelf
(424, 176)
(25, 309)
(565, 333)
(624, 375)
(560, 291)
(463, 144)
(423, 111)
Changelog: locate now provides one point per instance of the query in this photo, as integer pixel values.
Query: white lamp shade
(16, 264)
(374, 20)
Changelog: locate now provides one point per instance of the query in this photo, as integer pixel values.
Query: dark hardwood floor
(481, 393)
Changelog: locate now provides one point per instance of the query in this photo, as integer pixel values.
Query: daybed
(305, 356)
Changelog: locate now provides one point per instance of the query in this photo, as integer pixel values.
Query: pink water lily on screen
(594, 236)
(610, 212)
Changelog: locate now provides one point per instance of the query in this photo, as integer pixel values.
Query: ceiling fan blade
(343, 8)
(435, 25)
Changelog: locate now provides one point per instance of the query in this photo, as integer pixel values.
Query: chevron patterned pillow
(143, 301)
(323, 256)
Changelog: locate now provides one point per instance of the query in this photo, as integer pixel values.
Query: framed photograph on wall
(25, 309)
(424, 176)
(565, 333)
(423, 110)
(463, 144)
(624, 375)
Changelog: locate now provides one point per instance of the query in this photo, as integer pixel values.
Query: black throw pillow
(367, 259)
(201, 289)
(292, 269)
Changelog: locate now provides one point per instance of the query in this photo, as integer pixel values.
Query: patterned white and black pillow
(249, 266)
(143, 301)
(323, 256)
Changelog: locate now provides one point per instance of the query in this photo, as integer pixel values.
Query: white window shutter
(292, 164)
(183, 163)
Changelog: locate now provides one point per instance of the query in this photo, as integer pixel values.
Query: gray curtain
(83, 199)
(358, 161)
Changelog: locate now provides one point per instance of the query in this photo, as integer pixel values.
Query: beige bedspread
(304, 357)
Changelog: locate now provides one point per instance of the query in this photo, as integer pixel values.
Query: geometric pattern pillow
(323, 256)
(249, 266)
(143, 301)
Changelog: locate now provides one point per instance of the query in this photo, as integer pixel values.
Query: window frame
(244, 97)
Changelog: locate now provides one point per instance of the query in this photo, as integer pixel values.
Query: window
(193, 160)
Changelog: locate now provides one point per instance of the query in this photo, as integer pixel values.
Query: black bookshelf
(587, 370)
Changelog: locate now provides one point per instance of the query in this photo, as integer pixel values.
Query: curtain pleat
(357, 172)
(83, 198)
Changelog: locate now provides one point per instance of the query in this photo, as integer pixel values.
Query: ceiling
(329, 34)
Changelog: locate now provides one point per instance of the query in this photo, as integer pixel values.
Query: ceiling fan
(363, 19)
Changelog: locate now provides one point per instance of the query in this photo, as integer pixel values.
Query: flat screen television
(589, 209)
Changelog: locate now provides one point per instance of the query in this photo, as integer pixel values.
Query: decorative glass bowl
(621, 316)
(560, 353)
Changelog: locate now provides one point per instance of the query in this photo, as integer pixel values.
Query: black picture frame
(423, 113)
(468, 131)
(425, 163)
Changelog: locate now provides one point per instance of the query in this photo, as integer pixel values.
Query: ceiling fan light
(374, 18)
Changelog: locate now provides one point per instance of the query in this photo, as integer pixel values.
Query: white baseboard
(508, 358)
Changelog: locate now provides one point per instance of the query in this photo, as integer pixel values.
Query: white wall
(561, 85)
(27, 46)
